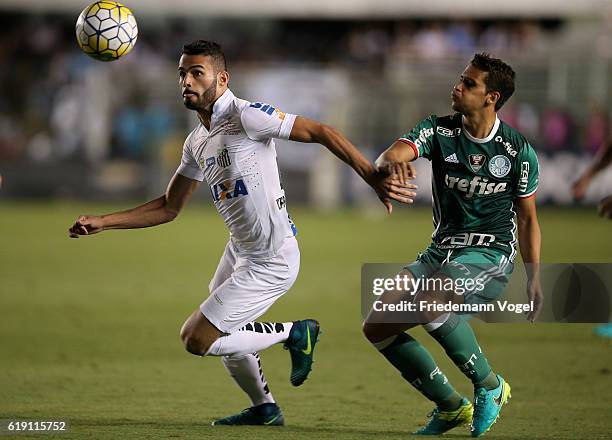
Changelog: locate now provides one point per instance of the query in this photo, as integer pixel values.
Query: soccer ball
(106, 30)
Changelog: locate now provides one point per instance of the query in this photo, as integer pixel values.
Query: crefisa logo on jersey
(499, 165)
(477, 161)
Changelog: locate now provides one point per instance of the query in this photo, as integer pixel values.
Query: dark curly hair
(207, 48)
(500, 76)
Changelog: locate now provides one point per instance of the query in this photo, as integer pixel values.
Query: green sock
(459, 342)
(418, 367)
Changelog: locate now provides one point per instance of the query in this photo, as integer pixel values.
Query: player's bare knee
(195, 344)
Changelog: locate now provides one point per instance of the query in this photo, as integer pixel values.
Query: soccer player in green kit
(484, 174)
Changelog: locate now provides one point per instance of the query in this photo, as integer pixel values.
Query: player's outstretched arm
(387, 187)
(158, 211)
(530, 240)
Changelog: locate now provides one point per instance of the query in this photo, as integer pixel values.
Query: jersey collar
(481, 140)
(222, 103)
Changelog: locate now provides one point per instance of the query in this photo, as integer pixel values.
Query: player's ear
(492, 98)
(223, 78)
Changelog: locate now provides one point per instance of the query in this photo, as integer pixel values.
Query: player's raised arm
(387, 187)
(153, 213)
(530, 240)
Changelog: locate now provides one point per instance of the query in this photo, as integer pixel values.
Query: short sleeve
(420, 138)
(529, 172)
(263, 121)
(189, 166)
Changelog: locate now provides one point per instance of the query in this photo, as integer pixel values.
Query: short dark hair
(207, 48)
(500, 76)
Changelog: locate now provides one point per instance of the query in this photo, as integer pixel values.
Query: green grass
(89, 332)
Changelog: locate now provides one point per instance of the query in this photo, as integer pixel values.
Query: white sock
(254, 336)
(246, 371)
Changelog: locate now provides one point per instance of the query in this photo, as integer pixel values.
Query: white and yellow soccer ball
(106, 30)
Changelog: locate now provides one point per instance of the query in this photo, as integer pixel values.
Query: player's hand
(534, 293)
(404, 171)
(390, 187)
(605, 207)
(86, 225)
(580, 186)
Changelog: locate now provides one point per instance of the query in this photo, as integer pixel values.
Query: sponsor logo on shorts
(281, 202)
(467, 239)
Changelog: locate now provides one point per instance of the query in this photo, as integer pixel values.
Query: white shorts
(242, 290)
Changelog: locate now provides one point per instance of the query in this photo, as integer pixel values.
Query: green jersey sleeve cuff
(529, 194)
(414, 147)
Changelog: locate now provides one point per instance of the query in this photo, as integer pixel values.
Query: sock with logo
(418, 367)
(254, 336)
(246, 371)
(459, 342)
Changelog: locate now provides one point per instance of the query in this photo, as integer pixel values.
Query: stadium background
(89, 328)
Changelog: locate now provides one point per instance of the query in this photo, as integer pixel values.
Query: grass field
(89, 333)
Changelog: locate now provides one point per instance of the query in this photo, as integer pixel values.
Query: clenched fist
(86, 225)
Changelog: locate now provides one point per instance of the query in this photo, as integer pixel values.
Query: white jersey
(237, 158)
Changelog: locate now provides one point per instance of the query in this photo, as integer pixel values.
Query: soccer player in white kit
(232, 149)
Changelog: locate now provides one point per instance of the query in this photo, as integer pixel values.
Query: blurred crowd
(52, 108)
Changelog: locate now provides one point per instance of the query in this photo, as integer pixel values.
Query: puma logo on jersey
(228, 190)
(478, 185)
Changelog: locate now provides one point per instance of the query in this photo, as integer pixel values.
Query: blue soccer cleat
(301, 342)
(267, 414)
(604, 330)
(487, 405)
(442, 421)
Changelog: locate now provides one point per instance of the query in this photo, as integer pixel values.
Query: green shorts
(490, 270)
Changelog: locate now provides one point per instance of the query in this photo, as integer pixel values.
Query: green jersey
(475, 181)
